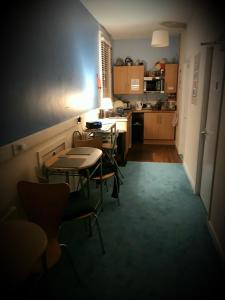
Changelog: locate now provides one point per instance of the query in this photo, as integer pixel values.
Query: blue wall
(49, 56)
(141, 49)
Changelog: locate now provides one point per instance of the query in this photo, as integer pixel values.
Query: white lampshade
(160, 38)
(106, 103)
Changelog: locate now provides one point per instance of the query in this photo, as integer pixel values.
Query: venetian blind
(106, 57)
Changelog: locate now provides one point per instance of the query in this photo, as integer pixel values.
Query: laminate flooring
(153, 153)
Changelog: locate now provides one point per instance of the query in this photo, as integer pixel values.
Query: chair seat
(108, 146)
(79, 206)
(104, 176)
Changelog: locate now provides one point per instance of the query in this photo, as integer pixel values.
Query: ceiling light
(160, 38)
(173, 24)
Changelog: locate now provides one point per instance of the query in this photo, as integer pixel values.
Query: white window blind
(106, 68)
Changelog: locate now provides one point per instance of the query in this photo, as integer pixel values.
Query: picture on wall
(195, 78)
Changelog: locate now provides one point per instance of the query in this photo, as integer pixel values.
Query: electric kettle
(138, 105)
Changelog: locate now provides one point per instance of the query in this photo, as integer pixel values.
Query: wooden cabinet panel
(158, 126)
(151, 127)
(128, 79)
(171, 78)
(120, 84)
(135, 79)
(166, 129)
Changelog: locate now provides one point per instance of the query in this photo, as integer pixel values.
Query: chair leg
(100, 234)
(117, 190)
(118, 168)
(105, 182)
(89, 225)
(72, 264)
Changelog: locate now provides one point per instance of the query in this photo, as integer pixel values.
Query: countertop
(128, 113)
(153, 110)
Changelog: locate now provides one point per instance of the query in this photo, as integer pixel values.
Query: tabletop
(74, 159)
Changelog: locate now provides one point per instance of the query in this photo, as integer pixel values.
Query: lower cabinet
(158, 128)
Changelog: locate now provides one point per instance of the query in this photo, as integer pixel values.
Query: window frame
(105, 66)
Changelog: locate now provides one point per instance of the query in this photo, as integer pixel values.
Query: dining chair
(109, 169)
(49, 205)
(43, 204)
(23, 244)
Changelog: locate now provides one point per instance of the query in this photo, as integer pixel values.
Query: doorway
(154, 153)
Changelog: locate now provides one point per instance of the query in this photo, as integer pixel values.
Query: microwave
(153, 84)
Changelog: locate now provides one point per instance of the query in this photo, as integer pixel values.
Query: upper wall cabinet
(128, 79)
(171, 71)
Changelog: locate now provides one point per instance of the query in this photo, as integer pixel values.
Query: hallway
(154, 153)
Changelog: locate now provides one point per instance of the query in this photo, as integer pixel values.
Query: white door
(212, 122)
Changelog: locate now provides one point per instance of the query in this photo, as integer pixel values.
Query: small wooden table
(23, 244)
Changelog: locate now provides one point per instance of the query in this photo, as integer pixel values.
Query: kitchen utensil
(138, 105)
(117, 103)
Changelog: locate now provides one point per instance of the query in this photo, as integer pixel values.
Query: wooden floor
(153, 153)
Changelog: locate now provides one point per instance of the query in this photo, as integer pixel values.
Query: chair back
(44, 203)
(76, 136)
(114, 145)
(91, 142)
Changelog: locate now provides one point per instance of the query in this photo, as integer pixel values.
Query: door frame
(184, 107)
(206, 91)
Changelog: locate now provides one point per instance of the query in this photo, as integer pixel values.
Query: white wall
(141, 49)
(202, 28)
(23, 166)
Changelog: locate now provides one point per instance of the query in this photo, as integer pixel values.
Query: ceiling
(131, 19)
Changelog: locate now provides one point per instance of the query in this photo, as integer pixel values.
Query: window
(106, 68)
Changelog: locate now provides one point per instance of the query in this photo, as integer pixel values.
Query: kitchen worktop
(144, 110)
(128, 113)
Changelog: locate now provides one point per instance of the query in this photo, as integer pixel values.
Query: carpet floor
(157, 244)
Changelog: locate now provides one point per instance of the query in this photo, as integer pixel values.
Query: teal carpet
(157, 244)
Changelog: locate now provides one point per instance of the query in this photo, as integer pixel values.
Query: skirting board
(159, 142)
(189, 177)
(216, 242)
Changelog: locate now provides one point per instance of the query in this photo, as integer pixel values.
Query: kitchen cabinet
(128, 79)
(171, 71)
(158, 128)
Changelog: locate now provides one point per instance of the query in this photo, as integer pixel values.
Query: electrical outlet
(18, 148)
(78, 119)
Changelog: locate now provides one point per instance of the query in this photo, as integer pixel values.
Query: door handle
(204, 132)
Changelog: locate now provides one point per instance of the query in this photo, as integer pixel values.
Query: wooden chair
(47, 205)
(90, 142)
(23, 244)
(76, 136)
(44, 204)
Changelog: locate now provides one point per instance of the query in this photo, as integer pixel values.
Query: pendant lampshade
(160, 38)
